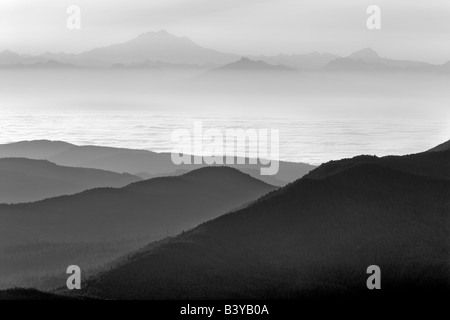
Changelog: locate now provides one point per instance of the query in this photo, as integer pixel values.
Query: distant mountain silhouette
(312, 238)
(74, 59)
(368, 60)
(26, 180)
(50, 64)
(12, 60)
(158, 46)
(140, 162)
(246, 76)
(154, 46)
(154, 207)
(245, 64)
(366, 55)
(371, 56)
(8, 57)
(162, 50)
(160, 66)
(351, 65)
(308, 61)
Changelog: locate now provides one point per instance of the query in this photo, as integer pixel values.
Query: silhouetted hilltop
(442, 147)
(156, 207)
(312, 238)
(26, 180)
(158, 46)
(219, 172)
(425, 163)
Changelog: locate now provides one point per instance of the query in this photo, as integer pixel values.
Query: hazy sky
(410, 29)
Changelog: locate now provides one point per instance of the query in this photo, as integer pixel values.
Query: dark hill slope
(432, 164)
(29, 294)
(442, 147)
(154, 207)
(311, 238)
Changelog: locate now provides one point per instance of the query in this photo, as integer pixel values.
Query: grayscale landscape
(87, 149)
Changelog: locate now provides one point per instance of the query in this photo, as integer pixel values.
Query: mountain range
(40, 239)
(157, 47)
(137, 162)
(156, 207)
(162, 50)
(313, 238)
